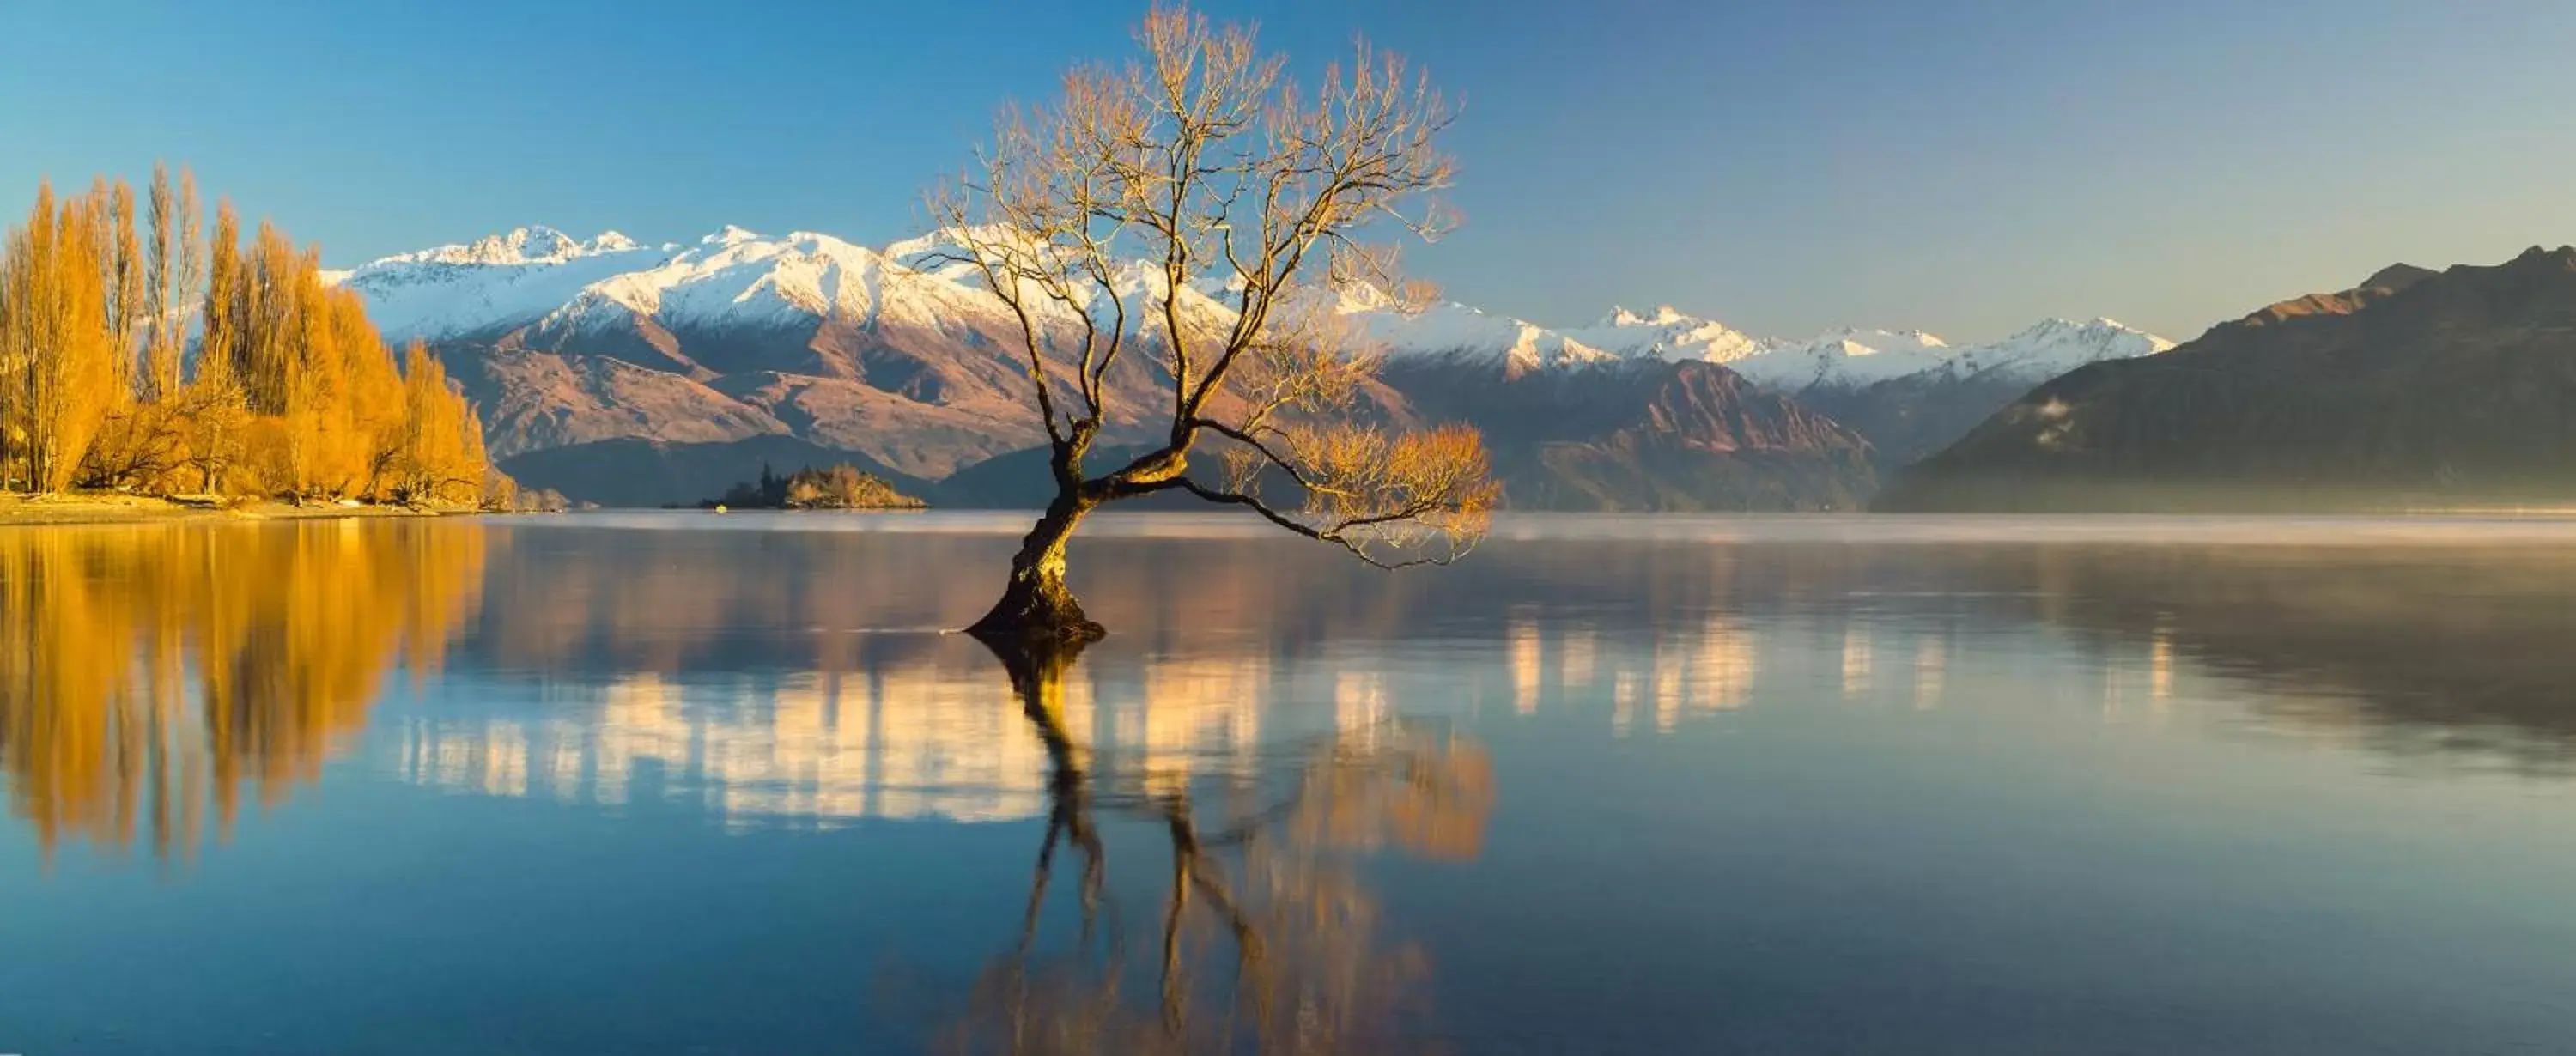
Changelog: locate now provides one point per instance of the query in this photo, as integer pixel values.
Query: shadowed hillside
(2416, 388)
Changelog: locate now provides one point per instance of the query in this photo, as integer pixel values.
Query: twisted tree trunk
(1036, 605)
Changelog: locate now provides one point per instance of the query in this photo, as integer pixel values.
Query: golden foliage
(58, 373)
(151, 677)
(1207, 160)
(174, 269)
(437, 449)
(295, 392)
(1391, 498)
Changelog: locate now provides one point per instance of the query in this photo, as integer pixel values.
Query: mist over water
(682, 782)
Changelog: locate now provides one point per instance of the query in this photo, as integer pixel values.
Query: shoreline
(96, 509)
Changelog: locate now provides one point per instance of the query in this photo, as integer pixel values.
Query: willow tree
(1103, 219)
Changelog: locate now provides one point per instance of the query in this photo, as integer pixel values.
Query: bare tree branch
(1200, 200)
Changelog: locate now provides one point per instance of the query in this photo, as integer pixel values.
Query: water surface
(688, 784)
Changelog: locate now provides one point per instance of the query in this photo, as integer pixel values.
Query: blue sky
(1789, 165)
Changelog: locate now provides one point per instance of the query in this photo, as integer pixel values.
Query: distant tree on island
(291, 392)
(501, 493)
(841, 487)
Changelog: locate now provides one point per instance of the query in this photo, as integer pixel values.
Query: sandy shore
(107, 508)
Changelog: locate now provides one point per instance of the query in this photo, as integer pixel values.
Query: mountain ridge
(897, 354)
(2415, 388)
(683, 279)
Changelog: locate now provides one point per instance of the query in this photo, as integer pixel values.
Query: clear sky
(1786, 165)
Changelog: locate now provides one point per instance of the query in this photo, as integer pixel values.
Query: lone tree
(1198, 204)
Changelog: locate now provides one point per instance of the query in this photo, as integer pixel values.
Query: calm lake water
(688, 784)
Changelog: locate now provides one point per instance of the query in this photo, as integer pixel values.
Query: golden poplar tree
(372, 401)
(139, 442)
(442, 452)
(121, 264)
(174, 268)
(17, 350)
(220, 348)
(61, 352)
(270, 325)
(216, 408)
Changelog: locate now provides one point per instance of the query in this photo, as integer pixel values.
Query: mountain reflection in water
(150, 675)
(1229, 824)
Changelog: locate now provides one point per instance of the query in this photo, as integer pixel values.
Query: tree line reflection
(153, 678)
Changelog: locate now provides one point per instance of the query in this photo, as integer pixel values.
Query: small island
(841, 487)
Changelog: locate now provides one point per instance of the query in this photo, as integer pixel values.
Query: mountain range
(630, 374)
(2415, 388)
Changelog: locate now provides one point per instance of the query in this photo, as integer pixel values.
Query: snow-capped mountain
(1848, 358)
(538, 276)
(2054, 346)
(1669, 335)
(1910, 415)
(900, 354)
(1837, 359)
(1457, 333)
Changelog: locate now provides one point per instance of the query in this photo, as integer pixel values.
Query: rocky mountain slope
(1644, 434)
(582, 350)
(2414, 388)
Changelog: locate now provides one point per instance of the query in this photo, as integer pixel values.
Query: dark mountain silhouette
(2415, 388)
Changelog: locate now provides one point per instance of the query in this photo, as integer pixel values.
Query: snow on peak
(1355, 296)
(1667, 334)
(2100, 331)
(533, 244)
(1621, 316)
(1886, 340)
(1846, 358)
(1458, 333)
(2052, 347)
(527, 243)
(538, 276)
(519, 246)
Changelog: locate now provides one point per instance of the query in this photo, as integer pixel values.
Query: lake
(681, 783)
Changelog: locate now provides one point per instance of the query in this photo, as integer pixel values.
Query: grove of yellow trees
(153, 359)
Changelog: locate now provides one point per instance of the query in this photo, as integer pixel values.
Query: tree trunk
(1036, 606)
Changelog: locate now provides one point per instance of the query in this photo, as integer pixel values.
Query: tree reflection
(150, 676)
(1266, 939)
